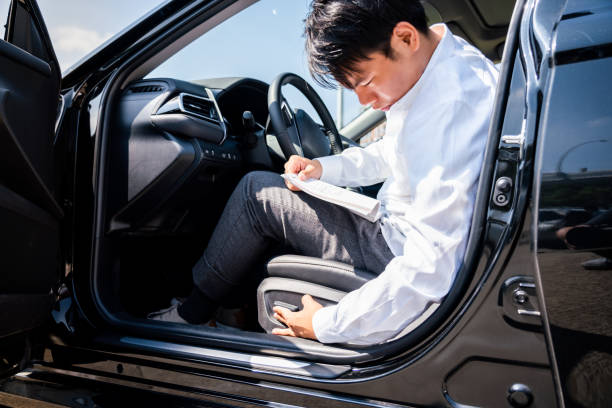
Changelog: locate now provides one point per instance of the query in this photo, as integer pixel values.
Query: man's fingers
(284, 332)
(306, 299)
(279, 314)
(305, 174)
(280, 319)
(312, 170)
(291, 186)
(290, 164)
(294, 164)
(308, 303)
(299, 324)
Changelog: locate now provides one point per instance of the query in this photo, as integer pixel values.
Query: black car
(110, 185)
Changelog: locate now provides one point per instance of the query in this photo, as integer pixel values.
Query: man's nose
(366, 96)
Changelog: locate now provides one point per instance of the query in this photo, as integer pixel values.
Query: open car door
(30, 212)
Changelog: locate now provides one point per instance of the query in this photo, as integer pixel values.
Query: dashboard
(178, 145)
(210, 110)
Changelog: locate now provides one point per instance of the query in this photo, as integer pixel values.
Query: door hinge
(516, 141)
(519, 300)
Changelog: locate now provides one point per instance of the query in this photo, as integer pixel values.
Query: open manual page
(359, 204)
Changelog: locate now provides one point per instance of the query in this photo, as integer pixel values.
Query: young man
(438, 93)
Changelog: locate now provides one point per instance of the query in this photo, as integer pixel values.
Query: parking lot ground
(41, 388)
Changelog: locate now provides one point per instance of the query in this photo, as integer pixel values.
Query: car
(111, 182)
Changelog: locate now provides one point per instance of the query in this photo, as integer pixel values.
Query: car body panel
(574, 191)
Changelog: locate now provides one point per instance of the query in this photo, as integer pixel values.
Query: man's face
(380, 81)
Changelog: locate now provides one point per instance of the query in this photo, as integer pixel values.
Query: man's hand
(304, 168)
(299, 323)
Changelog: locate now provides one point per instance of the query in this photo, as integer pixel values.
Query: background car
(111, 181)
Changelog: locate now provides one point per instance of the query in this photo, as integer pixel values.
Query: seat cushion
(331, 274)
(292, 276)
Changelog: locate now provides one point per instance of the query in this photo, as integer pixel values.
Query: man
(438, 93)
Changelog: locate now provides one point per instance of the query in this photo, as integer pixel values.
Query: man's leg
(261, 212)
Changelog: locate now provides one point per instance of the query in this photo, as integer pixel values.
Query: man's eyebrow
(359, 78)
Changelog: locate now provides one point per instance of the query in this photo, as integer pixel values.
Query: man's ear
(407, 34)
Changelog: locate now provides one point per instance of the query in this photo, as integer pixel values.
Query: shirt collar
(405, 102)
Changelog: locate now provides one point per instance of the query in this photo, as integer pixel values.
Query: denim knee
(256, 181)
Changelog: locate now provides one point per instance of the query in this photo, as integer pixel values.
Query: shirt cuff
(332, 168)
(323, 325)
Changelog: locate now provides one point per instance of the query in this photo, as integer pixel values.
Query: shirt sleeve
(410, 283)
(440, 142)
(435, 225)
(356, 166)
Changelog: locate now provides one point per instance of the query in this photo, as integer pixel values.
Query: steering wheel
(296, 132)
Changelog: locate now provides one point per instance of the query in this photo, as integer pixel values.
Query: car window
(4, 10)
(78, 27)
(261, 42)
(373, 135)
(28, 34)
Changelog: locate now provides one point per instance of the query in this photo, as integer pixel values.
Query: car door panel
(27, 107)
(575, 217)
(30, 212)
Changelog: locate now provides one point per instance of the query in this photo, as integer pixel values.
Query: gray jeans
(262, 212)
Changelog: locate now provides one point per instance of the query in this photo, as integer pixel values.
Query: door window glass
(78, 27)
(373, 135)
(27, 34)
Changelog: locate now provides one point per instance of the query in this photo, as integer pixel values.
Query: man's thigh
(313, 227)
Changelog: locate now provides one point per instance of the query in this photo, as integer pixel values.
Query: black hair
(341, 33)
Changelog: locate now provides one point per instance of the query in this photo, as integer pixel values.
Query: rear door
(30, 212)
(574, 197)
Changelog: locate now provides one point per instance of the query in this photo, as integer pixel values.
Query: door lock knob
(503, 184)
(502, 191)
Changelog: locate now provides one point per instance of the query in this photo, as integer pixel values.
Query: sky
(259, 42)
(77, 27)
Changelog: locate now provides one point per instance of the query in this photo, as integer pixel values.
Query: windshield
(260, 42)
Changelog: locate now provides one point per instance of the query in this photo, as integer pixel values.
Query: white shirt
(430, 160)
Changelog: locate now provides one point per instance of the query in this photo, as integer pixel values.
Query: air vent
(146, 88)
(201, 107)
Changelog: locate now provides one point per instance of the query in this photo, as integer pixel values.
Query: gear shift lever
(248, 121)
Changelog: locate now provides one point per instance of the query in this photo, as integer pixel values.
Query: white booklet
(359, 204)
